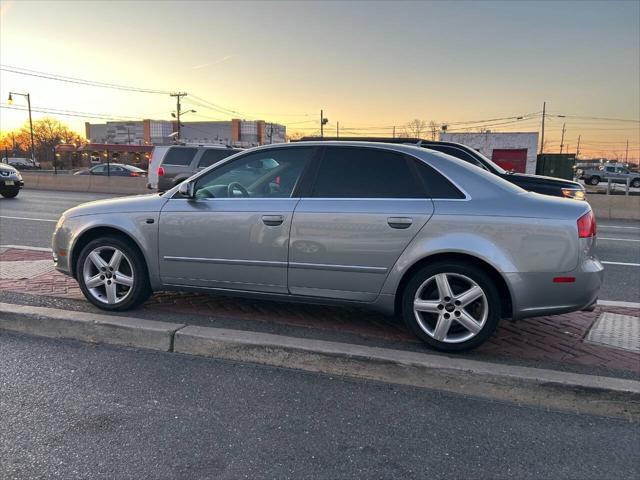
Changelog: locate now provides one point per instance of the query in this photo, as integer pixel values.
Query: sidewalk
(561, 338)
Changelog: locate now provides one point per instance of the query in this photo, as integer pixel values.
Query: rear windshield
(180, 156)
(214, 155)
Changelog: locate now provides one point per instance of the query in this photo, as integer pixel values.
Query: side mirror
(187, 189)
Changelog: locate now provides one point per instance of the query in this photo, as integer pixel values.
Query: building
(515, 151)
(236, 132)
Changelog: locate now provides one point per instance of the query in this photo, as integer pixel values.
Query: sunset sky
(370, 65)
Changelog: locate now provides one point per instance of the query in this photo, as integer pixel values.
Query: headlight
(575, 194)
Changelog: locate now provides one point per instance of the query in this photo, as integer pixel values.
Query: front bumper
(11, 182)
(536, 294)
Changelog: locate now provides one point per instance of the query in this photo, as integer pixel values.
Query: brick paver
(559, 338)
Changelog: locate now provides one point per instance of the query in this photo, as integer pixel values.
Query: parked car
(402, 229)
(113, 170)
(556, 187)
(21, 163)
(10, 181)
(615, 173)
(171, 164)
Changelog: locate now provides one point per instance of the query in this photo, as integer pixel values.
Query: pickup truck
(615, 173)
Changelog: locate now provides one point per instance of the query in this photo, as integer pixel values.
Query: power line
(79, 81)
(70, 113)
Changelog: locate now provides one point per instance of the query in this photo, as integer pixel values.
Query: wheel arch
(95, 232)
(506, 296)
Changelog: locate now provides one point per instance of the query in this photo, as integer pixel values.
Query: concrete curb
(88, 327)
(524, 385)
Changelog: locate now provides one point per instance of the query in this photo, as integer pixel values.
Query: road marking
(615, 303)
(619, 239)
(27, 247)
(626, 264)
(616, 226)
(32, 219)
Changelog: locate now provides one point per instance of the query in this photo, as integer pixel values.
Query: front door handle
(272, 220)
(400, 222)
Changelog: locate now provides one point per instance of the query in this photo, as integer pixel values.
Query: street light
(10, 101)
(182, 113)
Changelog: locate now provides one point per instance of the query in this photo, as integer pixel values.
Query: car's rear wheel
(10, 192)
(594, 180)
(451, 306)
(112, 274)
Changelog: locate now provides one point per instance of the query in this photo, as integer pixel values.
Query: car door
(235, 233)
(365, 206)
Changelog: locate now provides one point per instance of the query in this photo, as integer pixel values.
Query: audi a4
(405, 230)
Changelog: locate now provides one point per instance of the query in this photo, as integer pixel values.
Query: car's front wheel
(451, 306)
(112, 274)
(594, 180)
(10, 192)
(636, 183)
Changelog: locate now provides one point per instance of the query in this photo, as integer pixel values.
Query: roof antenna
(419, 144)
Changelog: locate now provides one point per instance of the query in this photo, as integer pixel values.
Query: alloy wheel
(108, 275)
(451, 307)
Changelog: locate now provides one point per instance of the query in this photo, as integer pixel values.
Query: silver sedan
(404, 230)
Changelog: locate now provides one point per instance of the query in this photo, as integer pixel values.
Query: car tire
(110, 284)
(636, 183)
(451, 322)
(12, 193)
(594, 180)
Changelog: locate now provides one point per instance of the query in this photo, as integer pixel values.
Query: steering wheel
(233, 186)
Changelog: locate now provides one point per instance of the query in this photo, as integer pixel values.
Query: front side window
(351, 172)
(99, 169)
(180, 156)
(267, 174)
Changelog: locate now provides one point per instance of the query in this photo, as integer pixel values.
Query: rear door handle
(400, 222)
(272, 220)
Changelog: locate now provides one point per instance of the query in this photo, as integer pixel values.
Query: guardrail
(85, 183)
(618, 207)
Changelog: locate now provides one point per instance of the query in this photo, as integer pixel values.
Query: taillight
(160, 171)
(135, 174)
(587, 225)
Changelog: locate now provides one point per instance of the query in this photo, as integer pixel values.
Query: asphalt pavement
(72, 410)
(30, 218)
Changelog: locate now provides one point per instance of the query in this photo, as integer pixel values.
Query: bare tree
(433, 129)
(415, 128)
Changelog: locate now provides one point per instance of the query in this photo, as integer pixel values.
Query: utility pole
(178, 96)
(10, 101)
(578, 147)
(544, 112)
(323, 122)
(394, 131)
(337, 129)
(626, 153)
(562, 138)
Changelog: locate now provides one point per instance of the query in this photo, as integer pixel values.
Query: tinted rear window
(211, 156)
(365, 173)
(180, 156)
(436, 184)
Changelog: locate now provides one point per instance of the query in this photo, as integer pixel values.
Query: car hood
(525, 179)
(8, 168)
(139, 203)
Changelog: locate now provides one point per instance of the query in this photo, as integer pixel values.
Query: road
(30, 219)
(73, 410)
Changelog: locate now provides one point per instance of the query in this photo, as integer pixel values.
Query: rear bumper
(536, 294)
